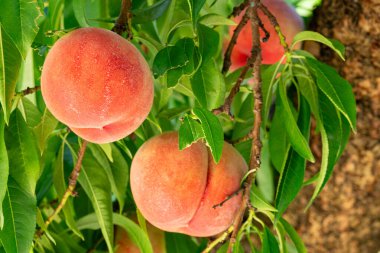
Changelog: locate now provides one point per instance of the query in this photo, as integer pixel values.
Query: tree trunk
(346, 216)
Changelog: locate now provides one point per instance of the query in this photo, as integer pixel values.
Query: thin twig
(275, 24)
(235, 193)
(238, 9)
(29, 90)
(72, 183)
(254, 163)
(227, 55)
(220, 240)
(123, 22)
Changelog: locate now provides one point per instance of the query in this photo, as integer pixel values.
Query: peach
(272, 51)
(125, 245)
(176, 190)
(98, 84)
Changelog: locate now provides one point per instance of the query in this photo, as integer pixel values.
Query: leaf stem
(124, 21)
(221, 239)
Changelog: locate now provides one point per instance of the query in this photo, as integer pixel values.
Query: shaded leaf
(10, 64)
(269, 244)
(46, 126)
(296, 239)
(208, 86)
(208, 42)
(150, 13)
(4, 168)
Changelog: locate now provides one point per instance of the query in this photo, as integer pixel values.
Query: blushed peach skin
(272, 51)
(125, 245)
(176, 190)
(98, 84)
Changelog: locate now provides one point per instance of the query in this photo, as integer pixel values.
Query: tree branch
(254, 164)
(123, 22)
(72, 183)
(238, 9)
(227, 55)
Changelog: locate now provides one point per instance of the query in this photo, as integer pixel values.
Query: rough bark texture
(346, 216)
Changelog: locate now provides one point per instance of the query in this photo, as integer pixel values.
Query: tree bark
(346, 216)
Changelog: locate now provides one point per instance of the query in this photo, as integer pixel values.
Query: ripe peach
(176, 190)
(125, 244)
(98, 84)
(272, 51)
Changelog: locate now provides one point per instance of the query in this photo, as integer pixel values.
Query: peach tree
(63, 191)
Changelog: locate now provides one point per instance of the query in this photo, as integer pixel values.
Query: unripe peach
(98, 84)
(125, 245)
(272, 51)
(176, 190)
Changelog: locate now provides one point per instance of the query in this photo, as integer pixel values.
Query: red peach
(176, 190)
(98, 84)
(272, 51)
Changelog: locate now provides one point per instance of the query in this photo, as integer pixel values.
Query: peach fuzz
(176, 190)
(272, 51)
(98, 84)
(125, 245)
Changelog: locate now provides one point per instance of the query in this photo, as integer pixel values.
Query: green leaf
(213, 132)
(189, 132)
(120, 171)
(94, 180)
(213, 19)
(269, 79)
(296, 239)
(195, 7)
(150, 13)
(208, 85)
(258, 201)
(269, 244)
(337, 89)
(298, 141)
(107, 149)
(4, 168)
(23, 155)
(335, 134)
(278, 142)
(60, 186)
(135, 233)
(30, 112)
(79, 7)
(314, 36)
(169, 58)
(208, 42)
(265, 175)
(179, 243)
(46, 126)
(19, 19)
(292, 176)
(246, 118)
(10, 64)
(20, 211)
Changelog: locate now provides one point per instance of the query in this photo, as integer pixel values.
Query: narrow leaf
(292, 176)
(4, 168)
(298, 141)
(296, 239)
(314, 36)
(47, 124)
(270, 244)
(10, 64)
(79, 7)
